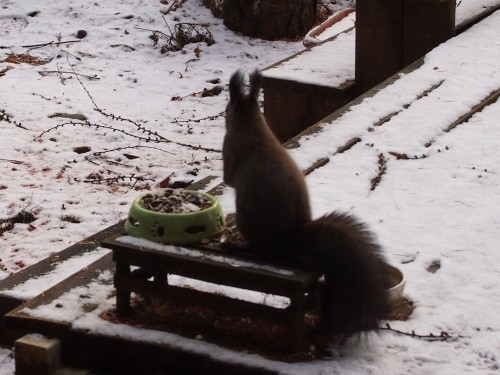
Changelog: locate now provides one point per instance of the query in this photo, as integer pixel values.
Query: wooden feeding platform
(214, 266)
(108, 352)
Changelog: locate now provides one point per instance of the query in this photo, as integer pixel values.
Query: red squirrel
(273, 216)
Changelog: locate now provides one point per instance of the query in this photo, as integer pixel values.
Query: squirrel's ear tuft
(255, 82)
(236, 86)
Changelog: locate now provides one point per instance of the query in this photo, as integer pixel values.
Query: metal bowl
(397, 282)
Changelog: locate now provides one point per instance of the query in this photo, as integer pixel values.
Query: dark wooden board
(206, 269)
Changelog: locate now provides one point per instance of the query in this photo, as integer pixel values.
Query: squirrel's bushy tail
(354, 294)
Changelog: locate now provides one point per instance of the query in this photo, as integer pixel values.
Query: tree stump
(267, 19)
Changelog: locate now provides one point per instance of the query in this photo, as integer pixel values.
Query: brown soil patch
(234, 332)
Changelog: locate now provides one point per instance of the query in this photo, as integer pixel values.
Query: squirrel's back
(271, 195)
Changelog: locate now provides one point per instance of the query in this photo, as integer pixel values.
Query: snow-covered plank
(470, 11)
(39, 277)
(412, 108)
(329, 64)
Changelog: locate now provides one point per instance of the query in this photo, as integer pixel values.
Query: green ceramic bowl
(175, 228)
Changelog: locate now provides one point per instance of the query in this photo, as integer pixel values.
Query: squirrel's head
(242, 102)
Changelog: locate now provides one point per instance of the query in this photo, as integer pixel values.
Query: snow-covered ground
(438, 208)
(130, 78)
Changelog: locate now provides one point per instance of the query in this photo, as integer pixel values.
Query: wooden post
(427, 23)
(379, 41)
(391, 34)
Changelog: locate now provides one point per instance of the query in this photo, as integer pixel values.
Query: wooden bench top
(208, 265)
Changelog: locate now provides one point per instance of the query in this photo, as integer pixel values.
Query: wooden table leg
(122, 295)
(298, 326)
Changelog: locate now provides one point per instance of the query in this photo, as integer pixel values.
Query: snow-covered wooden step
(406, 113)
(307, 86)
(36, 279)
(469, 13)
